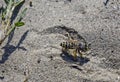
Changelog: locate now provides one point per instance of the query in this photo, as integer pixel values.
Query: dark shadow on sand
(16, 11)
(61, 29)
(9, 49)
(69, 58)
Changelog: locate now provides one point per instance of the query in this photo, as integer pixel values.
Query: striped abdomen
(68, 45)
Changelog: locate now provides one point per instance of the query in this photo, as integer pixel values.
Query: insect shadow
(69, 58)
(9, 49)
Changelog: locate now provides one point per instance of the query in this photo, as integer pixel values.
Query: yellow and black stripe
(68, 45)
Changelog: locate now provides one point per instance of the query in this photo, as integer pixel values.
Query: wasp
(73, 47)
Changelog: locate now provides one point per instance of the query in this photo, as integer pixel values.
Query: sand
(33, 52)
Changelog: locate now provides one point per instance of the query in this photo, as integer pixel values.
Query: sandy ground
(33, 54)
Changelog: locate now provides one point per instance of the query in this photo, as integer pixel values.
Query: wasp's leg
(68, 35)
(70, 38)
(80, 53)
(75, 54)
(64, 50)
